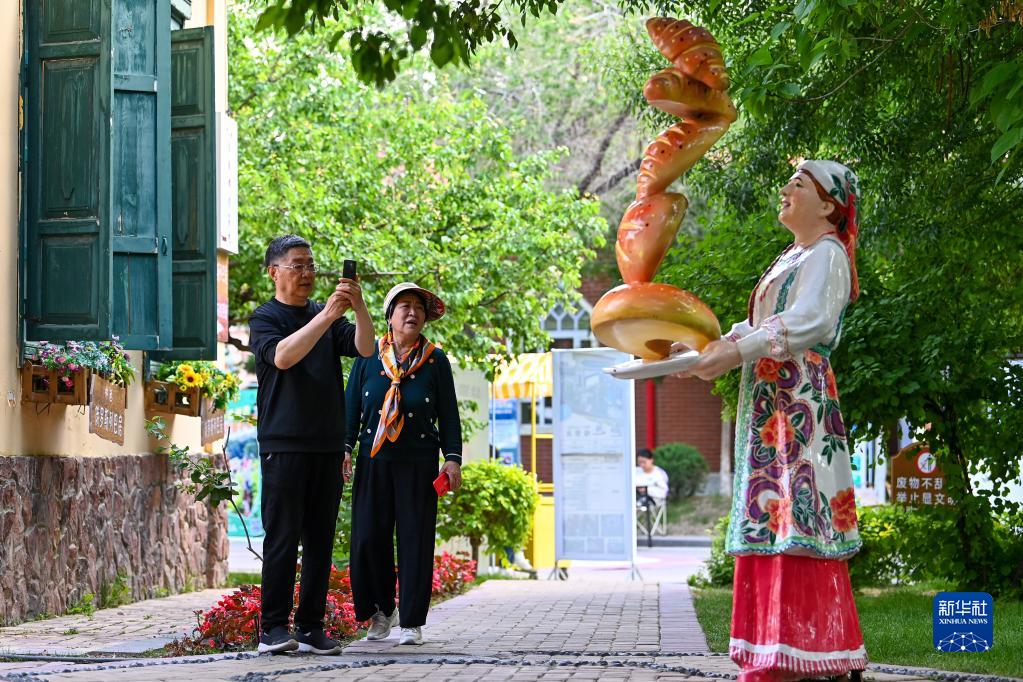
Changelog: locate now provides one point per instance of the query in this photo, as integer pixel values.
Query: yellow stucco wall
(214, 13)
(61, 430)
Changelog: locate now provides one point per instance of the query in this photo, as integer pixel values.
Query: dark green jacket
(432, 425)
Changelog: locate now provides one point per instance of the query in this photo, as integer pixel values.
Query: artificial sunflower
(190, 379)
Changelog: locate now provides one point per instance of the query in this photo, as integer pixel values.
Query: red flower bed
(233, 623)
(452, 575)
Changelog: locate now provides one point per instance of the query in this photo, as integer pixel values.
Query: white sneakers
(411, 635)
(521, 562)
(380, 627)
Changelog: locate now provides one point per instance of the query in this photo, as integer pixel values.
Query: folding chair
(659, 523)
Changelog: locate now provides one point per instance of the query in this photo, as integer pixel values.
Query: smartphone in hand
(442, 484)
(348, 269)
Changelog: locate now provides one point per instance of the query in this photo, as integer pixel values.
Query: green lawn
(696, 515)
(237, 579)
(896, 626)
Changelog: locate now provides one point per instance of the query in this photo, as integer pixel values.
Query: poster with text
(504, 431)
(594, 452)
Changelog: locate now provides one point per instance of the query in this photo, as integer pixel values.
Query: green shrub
(495, 503)
(115, 593)
(685, 466)
(891, 553)
(720, 567)
(85, 606)
(341, 554)
(903, 545)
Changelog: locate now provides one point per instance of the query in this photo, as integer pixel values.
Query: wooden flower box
(167, 397)
(41, 385)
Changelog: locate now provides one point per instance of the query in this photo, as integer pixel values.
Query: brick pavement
(131, 629)
(506, 616)
(501, 630)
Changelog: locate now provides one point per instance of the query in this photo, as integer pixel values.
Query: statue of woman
(793, 517)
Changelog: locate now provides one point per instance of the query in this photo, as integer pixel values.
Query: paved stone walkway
(131, 629)
(501, 630)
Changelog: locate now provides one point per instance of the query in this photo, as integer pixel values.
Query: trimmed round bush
(685, 466)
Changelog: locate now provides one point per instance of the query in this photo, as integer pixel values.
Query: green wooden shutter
(97, 163)
(141, 208)
(67, 239)
(194, 213)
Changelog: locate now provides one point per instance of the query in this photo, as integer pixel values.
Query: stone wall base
(71, 526)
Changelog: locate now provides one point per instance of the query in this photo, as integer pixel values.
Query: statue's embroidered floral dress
(793, 518)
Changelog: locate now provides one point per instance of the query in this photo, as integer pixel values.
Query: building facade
(108, 174)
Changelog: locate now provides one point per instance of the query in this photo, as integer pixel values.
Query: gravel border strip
(508, 658)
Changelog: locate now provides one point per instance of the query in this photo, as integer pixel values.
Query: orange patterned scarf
(391, 418)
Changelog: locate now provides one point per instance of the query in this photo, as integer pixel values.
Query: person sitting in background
(651, 477)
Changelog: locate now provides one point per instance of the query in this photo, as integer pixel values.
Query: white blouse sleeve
(819, 296)
(739, 330)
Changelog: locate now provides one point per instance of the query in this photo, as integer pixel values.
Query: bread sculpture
(640, 317)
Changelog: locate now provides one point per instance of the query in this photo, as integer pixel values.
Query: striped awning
(523, 375)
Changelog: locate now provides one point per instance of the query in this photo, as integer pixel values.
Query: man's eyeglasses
(299, 268)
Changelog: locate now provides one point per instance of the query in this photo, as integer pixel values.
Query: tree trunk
(475, 544)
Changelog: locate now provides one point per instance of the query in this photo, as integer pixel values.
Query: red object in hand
(442, 484)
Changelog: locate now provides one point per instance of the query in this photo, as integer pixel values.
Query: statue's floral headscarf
(842, 185)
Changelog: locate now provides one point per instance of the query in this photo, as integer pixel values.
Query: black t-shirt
(302, 408)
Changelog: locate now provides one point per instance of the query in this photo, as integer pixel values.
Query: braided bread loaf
(641, 317)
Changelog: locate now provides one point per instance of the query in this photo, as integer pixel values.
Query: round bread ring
(645, 318)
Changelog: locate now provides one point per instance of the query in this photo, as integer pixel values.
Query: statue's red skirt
(794, 617)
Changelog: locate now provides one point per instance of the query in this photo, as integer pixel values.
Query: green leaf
(335, 38)
(998, 74)
(1007, 141)
(295, 19)
(761, 57)
(780, 28)
(417, 37)
(793, 90)
(803, 9)
(268, 18)
(1005, 113)
(442, 51)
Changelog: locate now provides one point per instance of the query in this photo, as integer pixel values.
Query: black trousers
(387, 495)
(301, 492)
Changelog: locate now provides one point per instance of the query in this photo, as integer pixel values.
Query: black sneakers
(277, 641)
(317, 643)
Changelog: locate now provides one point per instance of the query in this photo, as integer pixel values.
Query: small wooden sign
(212, 427)
(916, 479)
(107, 402)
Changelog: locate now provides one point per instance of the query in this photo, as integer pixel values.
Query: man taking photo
(298, 344)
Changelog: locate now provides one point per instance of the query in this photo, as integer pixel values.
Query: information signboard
(917, 480)
(594, 455)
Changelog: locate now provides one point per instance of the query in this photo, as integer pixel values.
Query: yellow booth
(530, 377)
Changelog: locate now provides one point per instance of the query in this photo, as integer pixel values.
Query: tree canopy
(416, 182)
(798, 52)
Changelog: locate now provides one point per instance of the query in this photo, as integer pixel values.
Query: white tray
(649, 369)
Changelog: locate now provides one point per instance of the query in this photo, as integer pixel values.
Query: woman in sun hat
(793, 518)
(402, 415)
